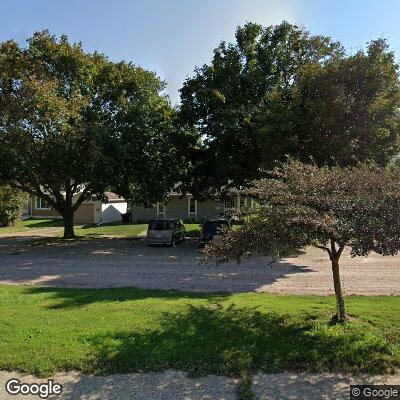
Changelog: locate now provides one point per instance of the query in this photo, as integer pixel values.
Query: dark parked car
(127, 217)
(165, 231)
(212, 229)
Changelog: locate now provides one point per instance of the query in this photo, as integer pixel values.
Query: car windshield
(213, 227)
(159, 226)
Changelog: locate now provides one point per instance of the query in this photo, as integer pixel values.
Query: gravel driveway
(178, 386)
(112, 262)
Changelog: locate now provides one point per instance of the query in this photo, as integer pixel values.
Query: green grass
(126, 230)
(43, 330)
(112, 229)
(192, 230)
(30, 224)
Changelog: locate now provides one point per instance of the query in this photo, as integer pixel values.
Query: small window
(192, 206)
(41, 204)
(160, 210)
(230, 203)
(159, 225)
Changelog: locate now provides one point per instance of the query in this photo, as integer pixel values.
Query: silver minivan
(165, 231)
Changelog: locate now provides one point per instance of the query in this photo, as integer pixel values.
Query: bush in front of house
(12, 204)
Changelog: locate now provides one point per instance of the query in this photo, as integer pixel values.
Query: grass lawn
(127, 230)
(192, 230)
(30, 224)
(111, 229)
(43, 330)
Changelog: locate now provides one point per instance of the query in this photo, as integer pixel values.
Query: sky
(172, 37)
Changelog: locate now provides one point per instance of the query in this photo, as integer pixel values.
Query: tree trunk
(68, 219)
(342, 315)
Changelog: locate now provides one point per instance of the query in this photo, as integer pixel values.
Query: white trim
(164, 212)
(189, 213)
(229, 199)
(40, 208)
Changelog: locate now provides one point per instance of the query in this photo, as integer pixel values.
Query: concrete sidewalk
(175, 385)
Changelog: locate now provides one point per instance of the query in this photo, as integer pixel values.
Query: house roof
(114, 198)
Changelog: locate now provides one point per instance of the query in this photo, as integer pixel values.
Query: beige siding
(142, 214)
(84, 214)
(41, 213)
(178, 208)
(87, 213)
(209, 208)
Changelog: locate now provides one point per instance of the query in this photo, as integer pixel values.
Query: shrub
(12, 205)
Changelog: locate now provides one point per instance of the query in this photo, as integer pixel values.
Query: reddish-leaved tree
(329, 208)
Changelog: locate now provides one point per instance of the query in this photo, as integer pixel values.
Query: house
(90, 212)
(186, 207)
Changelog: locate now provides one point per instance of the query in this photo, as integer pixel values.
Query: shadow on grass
(34, 224)
(91, 226)
(115, 223)
(230, 341)
(59, 241)
(71, 298)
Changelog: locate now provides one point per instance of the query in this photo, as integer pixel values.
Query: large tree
(73, 124)
(340, 112)
(223, 99)
(330, 208)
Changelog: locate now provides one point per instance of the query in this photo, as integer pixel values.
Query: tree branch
(37, 191)
(49, 200)
(324, 248)
(23, 188)
(59, 197)
(340, 250)
(82, 197)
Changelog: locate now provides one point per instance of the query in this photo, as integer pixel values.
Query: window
(41, 204)
(159, 225)
(242, 202)
(192, 206)
(230, 202)
(161, 210)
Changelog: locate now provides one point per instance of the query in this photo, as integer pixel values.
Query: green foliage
(279, 91)
(303, 205)
(339, 112)
(330, 208)
(73, 124)
(43, 330)
(223, 99)
(12, 204)
(245, 391)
